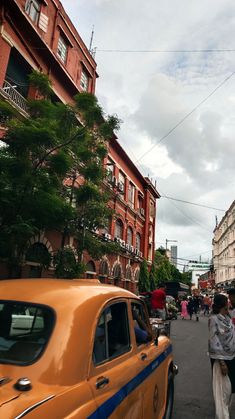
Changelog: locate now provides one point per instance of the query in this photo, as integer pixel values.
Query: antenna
(216, 221)
(92, 34)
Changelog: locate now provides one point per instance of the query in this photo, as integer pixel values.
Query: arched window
(38, 253)
(138, 241)
(129, 236)
(128, 273)
(104, 268)
(137, 275)
(119, 229)
(117, 271)
(90, 269)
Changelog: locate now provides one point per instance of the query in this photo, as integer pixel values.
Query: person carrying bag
(222, 355)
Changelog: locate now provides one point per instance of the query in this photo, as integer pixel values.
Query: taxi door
(113, 375)
(155, 363)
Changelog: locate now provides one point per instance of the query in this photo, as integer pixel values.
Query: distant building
(174, 255)
(224, 249)
(197, 269)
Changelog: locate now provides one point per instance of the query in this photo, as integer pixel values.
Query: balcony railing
(14, 96)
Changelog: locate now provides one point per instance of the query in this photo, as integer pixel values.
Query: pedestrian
(190, 307)
(196, 306)
(206, 303)
(158, 302)
(184, 311)
(222, 355)
(231, 294)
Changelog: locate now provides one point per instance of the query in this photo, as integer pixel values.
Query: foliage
(144, 285)
(66, 265)
(153, 278)
(165, 270)
(40, 152)
(186, 278)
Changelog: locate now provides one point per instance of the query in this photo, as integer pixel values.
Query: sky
(167, 70)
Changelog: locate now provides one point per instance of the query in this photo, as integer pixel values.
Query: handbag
(222, 392)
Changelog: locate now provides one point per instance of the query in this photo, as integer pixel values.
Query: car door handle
(101, 382)
(143, 356)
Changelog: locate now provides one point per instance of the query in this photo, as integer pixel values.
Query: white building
(224, 249)
(197, 269)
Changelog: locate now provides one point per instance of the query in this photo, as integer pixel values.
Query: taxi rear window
(24, 331)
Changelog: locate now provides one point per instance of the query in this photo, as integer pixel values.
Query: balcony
(10, 93)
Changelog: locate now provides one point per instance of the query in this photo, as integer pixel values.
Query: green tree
(56, 142)
(153, 278)
(143, 285)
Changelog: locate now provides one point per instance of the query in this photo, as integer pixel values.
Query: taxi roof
(55, 292)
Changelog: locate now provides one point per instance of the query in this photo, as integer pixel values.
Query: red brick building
(38, 34)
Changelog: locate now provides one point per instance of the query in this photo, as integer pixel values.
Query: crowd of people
(220, 309)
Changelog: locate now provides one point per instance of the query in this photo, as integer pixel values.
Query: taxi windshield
(24, 331)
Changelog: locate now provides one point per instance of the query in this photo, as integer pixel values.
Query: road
(193, 390)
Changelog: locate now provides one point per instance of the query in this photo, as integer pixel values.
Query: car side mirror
(157, 333)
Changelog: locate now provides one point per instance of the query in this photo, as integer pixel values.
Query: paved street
(193, 393)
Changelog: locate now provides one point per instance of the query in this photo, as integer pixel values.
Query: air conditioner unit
(121, 187)
(128, 247)
(142, 211)
(107, 236)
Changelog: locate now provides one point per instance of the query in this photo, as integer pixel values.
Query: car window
(112, 337)
(140, 323)
(24, 331)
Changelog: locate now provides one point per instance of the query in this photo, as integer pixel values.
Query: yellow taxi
(79, 349)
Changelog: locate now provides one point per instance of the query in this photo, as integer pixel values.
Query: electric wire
(186, 116)
(160, 51)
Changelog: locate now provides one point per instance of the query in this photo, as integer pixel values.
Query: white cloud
(152, 92)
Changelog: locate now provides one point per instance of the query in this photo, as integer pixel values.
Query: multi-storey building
(224, 249)
(38, 35)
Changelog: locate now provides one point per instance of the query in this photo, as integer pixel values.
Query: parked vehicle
(78, 356)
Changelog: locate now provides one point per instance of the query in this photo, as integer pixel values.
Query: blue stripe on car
(105, 410)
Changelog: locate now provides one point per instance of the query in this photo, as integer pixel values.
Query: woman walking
(222, 355)
(184, 311)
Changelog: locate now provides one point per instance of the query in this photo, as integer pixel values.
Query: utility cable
(159, 51)
(191, 203)
(186, 116)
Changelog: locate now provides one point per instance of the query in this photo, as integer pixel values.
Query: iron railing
(14, 96)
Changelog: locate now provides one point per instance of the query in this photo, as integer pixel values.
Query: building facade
(224, 249)
(38, 35)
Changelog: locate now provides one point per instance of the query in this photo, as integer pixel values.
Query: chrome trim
(29, 409)
(175, 369)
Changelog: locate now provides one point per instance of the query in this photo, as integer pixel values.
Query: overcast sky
(188, 95)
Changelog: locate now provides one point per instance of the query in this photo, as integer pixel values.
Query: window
(140, 323)
(84, 83)
(138, 241)
(152, 209)
(129, 236)
(62, 49)
(121, 182)
(131, 194)
(119, 229)
(110, 170)
(32, 8)
(24, 331)
(112, 337)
